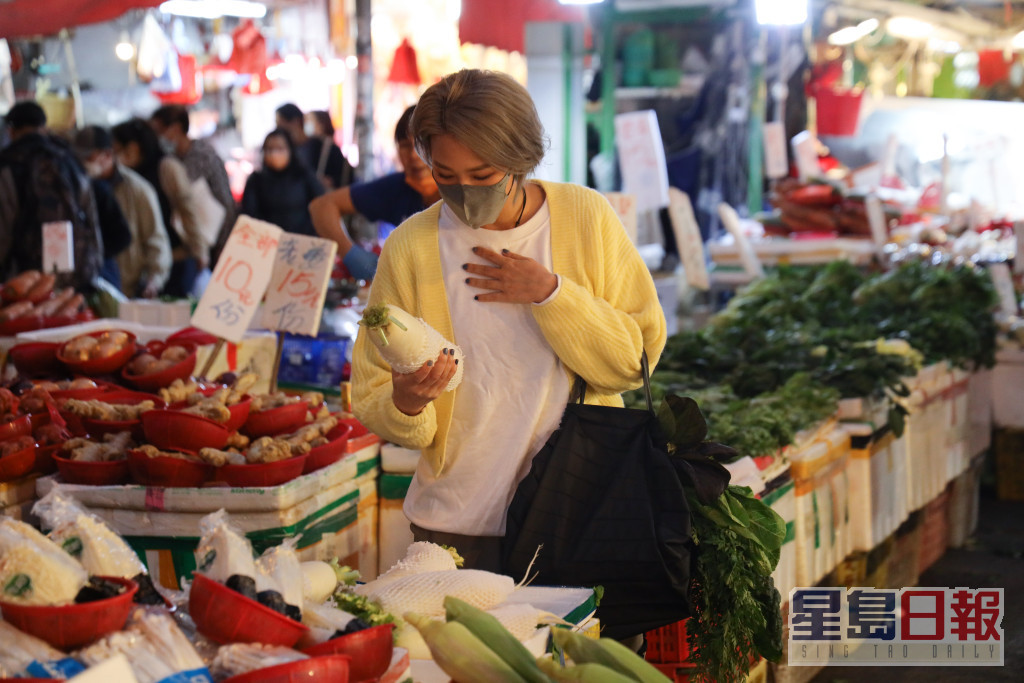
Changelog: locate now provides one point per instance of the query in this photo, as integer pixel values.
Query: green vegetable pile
(785, 349)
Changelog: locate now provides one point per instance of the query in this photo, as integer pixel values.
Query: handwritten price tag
(239, 280)
(298, 285)
(642, 159)
(58, 247)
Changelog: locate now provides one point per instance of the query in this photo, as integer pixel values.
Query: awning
(21, 18)
(503, 24)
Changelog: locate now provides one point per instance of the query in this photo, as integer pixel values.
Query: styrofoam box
(397, 460)
(1007, 384)
(209, 499)
(152, 312)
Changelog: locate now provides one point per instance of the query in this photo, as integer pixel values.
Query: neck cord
(522, 210)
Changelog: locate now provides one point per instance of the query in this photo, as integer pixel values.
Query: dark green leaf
(682, 421)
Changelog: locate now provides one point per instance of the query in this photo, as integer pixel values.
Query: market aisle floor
(992, 558)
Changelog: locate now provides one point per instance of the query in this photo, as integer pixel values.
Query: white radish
(520, 619)
(318, 581)
(407, 342)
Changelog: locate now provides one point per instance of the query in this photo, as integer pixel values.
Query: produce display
(174, 430)
(817, 208)
(30, 302)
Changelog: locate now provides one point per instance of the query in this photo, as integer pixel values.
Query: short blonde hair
(487, 111)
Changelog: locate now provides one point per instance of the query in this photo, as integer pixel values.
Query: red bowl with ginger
(181, 431)
(108, 473)
(112, 349)
(167, 471)
(134, 373)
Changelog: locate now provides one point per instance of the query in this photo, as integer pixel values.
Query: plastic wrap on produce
(223, 550)
(34, 570)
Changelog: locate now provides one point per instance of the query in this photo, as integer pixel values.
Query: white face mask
(310, 128)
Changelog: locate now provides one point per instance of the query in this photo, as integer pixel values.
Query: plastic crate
(1009, 448)
(678, 672)
(667, 645)
(321, 361)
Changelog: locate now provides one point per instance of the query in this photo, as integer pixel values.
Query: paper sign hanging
(239, 280)
(625, 208)
(688, 239)
(776, 163)
(748, 257)
(642, 159)
(805, 155)
(58, 247)
(298, 285)
(877, 221)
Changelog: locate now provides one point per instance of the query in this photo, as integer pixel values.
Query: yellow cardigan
(605, 312)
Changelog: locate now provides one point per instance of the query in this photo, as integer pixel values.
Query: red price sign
(298, 285)
(239, 280)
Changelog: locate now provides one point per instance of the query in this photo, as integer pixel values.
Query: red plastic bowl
(67, 627)
(361, 437)
(268, 474)
(286, 418)
(35, 359)
(97, 428)
(109, 473)
(329, 669)
(175, 430)
(98, 366)
(330, 452)
(25, 323)
(82, 394)
(45, 464)
(194, 335)
(226, 616)
(21, 426)
(17, 464)
(158, 380)
(370, 650)
(239, 414)
(165, 471)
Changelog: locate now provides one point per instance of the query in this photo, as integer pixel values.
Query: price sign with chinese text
(58, 247)
(298, 285)
(239, 280)
(642, 159)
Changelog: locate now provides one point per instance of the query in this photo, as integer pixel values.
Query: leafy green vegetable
(375, 316)
(362, 607)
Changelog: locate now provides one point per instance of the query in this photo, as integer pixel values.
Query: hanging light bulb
(124, 48)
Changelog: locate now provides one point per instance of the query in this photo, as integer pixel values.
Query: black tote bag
(604, 499)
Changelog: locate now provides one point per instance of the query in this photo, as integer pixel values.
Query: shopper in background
(41, 182)
(331, 167)
(281, 191)
(117, 236)
(392, 199)
(211, 189)
(538, 282)
(146, 263)
(137, 147)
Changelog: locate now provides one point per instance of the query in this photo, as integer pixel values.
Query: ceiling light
(124, 48)
(214, 9)
(781, 12)
(909, 28)
(851, 34)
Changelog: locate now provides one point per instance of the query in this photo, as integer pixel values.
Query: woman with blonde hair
(536, 281)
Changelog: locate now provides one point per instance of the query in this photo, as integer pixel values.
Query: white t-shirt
(512, 395)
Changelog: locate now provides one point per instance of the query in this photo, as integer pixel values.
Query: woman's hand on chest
(510, 279)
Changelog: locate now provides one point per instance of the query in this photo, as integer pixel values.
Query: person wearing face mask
(144, 263)
(210, 186)
(331, 167)
(280, 191)
(536, 281)
(136, 146)
(391, 199)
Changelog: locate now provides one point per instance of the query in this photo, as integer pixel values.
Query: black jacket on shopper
(282, 197)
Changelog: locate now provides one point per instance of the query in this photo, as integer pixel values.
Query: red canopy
(503, 24)
(19, 18)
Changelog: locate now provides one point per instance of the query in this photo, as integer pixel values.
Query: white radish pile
(407, 342)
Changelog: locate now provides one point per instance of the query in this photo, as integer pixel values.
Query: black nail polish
(456, 361)
(465, 266)
(467, 280)
(476, 298)
(430, 363)
(474, 249)
(504, 251)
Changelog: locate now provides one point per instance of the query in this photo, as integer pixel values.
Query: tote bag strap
(580, 389)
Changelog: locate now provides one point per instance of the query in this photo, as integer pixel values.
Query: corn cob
(588, 673)
(607, 652)
(495, 636)
(461, 654)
